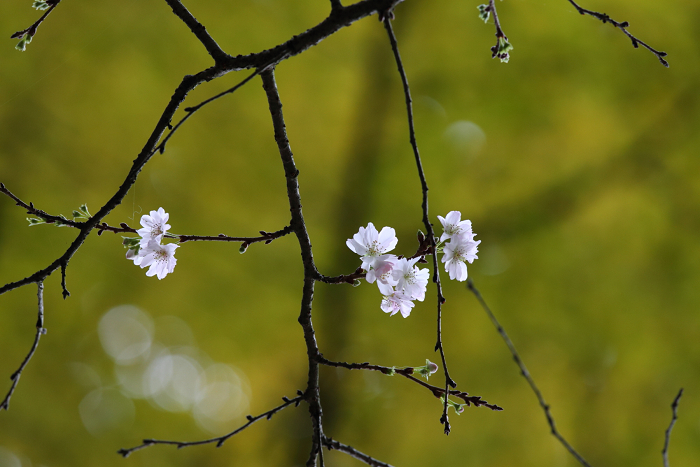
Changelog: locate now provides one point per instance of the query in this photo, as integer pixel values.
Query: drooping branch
(449, 382)
(40, 331)
(218, 440)
(622, 26)
(408, 373)
(667, 437)
(526, 374)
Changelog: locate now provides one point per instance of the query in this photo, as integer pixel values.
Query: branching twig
(330, 443)
(449, 382)
(219, 440)
(192, 110)
(408, 372)
(40, 331)
(526, 374)
(667, 438)
(622, 26)
(31, 30)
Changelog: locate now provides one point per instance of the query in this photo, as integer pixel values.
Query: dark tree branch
(526, 374)
(667, 438)
(198, 30)
(622, 26)
(330, 443)
(408, 372)
(312, 394)
(219, 440)
(449, 382)
(40, 331)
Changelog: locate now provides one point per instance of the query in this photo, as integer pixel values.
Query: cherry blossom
(458, 251)
(154, 226)
(382, 271)
(452, 225)
(396, 302)
(160, 258)
(370, 245)
(410, 279)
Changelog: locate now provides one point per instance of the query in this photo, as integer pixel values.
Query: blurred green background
(577, 163)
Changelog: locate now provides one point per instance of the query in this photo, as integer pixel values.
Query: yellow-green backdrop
(577, 163)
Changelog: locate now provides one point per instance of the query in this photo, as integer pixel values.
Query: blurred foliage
(577, 163)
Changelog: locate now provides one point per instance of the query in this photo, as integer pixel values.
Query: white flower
(452, 226)
(133, 255)
(411, 280)
(458, 251)
(382, 271)
(396, 302)
(160, 258)
(370, 245)
(154, 226)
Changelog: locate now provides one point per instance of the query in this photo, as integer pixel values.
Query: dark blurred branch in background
(526, 374)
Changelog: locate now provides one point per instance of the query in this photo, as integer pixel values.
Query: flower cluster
(147, 249)
(399, 280)
(461, 247)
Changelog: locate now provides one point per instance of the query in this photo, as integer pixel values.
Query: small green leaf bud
(35, 221)
(484, 12)
(428, 369)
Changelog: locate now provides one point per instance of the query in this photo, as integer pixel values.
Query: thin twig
(622, 26)
(408, 372)
(192, 110)
(674, 408)
(330, 443)
(31, 30)
(449, 382)
(43, 215)
(526, 374)
(40, 331)
(219, 440)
